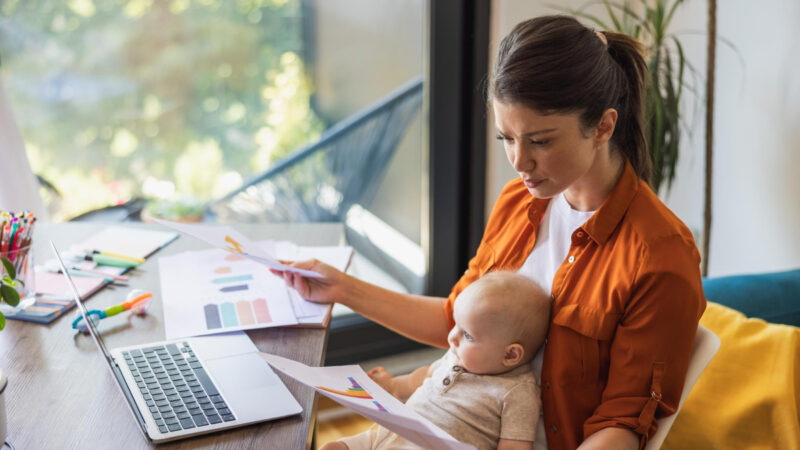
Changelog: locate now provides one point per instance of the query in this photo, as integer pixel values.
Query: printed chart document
(310, 313)
(212, 291)
(351, 387)
(227, 238)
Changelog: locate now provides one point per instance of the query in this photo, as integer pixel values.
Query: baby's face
(478, 344)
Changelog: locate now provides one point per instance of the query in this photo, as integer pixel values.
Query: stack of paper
(216, 290)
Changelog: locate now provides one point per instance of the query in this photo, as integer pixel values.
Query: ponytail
(630, 140)
(555, 64)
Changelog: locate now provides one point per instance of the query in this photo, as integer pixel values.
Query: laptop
(187, 387)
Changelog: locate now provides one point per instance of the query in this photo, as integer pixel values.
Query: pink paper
(50, 283)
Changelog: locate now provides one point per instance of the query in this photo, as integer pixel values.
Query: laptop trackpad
(251, 388)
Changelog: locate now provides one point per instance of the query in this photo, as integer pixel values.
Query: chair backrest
(320, 182)
(706, 344)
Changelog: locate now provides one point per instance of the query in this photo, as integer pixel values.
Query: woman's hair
(554, 64)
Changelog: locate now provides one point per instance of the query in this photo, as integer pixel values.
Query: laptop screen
(112, 366)
(90, 323)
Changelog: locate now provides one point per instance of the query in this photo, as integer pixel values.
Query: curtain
(19, 189)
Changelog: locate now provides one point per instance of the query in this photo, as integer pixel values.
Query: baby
(482, 391)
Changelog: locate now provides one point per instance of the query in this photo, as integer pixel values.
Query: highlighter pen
(109, 261)
(100, 273)
(106, 278)
(119, 256)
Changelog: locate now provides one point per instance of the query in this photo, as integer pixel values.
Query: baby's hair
(516, 303)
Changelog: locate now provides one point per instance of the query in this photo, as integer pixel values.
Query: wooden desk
(60, 393)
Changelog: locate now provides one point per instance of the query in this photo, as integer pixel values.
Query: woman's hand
(327, 289)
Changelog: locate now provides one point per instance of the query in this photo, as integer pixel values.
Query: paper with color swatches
(212, 291)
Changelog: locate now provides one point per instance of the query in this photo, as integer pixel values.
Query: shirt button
(580, 234)
(457, 368)
(446, 381)
(571, 259)
(553, 428)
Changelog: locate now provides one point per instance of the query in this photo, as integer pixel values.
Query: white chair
(706, 344)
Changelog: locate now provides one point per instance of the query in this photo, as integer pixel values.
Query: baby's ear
(514, 354)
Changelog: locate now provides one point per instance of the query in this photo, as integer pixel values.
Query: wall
(756, 216)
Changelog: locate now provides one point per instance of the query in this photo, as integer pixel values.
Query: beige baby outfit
(476, 409)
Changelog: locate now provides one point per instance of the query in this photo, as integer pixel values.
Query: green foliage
(9, 268)
(8, 291)
(147, 98)
(648, 21)
(176, 209)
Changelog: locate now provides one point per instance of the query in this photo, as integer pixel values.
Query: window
(143, 98)
(124, 99)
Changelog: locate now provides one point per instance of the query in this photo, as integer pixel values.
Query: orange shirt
(626, 304)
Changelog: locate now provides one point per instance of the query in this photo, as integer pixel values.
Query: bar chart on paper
(243, 312)
(215, 291)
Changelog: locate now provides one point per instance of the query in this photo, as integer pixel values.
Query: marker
(6, 236)
(14, 226)
(119, 256)
(101, 273)
(110, 261)
(105, 277)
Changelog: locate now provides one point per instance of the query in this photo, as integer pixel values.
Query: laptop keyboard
(176, 387)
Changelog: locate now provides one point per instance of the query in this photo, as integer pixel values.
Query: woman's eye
(542, 142)
(502, 138)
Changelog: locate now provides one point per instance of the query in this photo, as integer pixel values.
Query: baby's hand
(384, 379)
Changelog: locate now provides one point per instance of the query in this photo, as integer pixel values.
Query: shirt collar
(600, 226)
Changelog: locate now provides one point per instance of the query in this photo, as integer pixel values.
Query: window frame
(457, 72)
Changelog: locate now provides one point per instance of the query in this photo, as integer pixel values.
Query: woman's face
(550, 152)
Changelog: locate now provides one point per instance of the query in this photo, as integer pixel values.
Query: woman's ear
(514, 354)
(605, 127)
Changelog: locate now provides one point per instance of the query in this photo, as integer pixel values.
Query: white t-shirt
(553, 240)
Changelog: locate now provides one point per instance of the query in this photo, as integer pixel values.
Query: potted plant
(9, 295)
(8, 288)
(178, 209)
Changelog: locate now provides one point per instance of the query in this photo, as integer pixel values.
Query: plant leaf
(671, 12)
(2, 321)
(9, 268)
(617, 24)
(10, 295)
(681, 65)
(579, 13)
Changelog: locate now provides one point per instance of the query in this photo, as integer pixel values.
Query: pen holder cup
(22, 260)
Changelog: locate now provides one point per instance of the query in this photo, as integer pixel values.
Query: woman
(581, 221)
